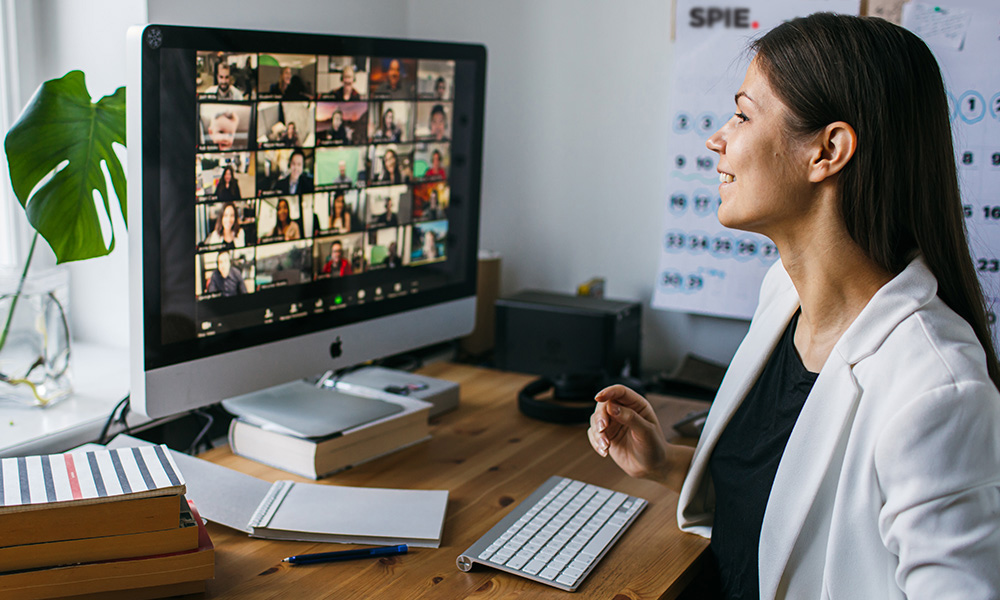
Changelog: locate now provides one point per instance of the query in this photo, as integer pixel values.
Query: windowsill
(101, 380)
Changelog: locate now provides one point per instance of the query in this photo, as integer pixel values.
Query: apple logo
(336, 348)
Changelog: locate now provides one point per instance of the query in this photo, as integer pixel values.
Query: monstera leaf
(58, 146)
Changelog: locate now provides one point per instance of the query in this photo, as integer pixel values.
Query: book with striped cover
(30, 483)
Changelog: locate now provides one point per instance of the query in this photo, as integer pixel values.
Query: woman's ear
(835, 145)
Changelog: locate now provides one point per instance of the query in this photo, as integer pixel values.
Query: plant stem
(20, 287)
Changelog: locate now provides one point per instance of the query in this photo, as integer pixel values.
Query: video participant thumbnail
(433, 121)
(226, 76)
(224, 273)
(339, 212)
(286, 124)
(230, 224)
(285, 171)
(342, 123)
(286, 76)
(224, 127)
(281, 220)
(432, 161)
(340, 167)
(284, 263)
(429, 242)
(393, 78)
(430, 201)
(342, 78)
(382, 248)
(392, 164)
(394, 122)
(227, 176)
(389, 206)
(339, 256)
(436, 79)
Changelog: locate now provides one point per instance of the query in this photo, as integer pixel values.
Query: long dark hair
(899, 193)
(236, 220)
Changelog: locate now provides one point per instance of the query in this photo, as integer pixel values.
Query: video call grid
(301, 200)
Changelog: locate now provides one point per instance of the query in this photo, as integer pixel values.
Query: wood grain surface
(489, 457)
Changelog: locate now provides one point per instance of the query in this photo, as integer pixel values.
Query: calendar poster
(965, 38)
(704, 267)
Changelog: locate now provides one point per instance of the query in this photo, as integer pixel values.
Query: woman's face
(388, 118)
(390, 161)
(227, 175)
(286, 75)
(282, 211)
(763, 172)
(228, 218)
(338, 205)
(436, 160)
(337, 120)
(291, 129)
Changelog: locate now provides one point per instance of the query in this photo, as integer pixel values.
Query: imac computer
(298, 203)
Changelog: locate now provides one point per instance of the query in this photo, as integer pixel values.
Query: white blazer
(889, 486)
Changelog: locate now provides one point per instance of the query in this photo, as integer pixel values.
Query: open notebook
(309, 511)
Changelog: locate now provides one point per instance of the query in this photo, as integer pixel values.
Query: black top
(745, 461)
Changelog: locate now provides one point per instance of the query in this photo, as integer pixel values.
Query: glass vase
(35, 355)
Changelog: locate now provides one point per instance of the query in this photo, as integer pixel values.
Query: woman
(390, 168)
(853, 449)
(291, 135)
(429, 249)
(228, 188)
(389, 131)
(288, 86)
(285, 228)
(436, 171)
(342, 220)
(227, 229)
(346, 90)
(433, 210)
(338, 130)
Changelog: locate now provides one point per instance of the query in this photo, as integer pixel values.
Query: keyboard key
(566, 580)
(516, 562)
(533, 567)
(549, 573)
(574, 573)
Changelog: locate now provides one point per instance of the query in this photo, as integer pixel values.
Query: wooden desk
(489, 457)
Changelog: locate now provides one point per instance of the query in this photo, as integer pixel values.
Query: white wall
(346, 17)
(575, 160)
(56, 36)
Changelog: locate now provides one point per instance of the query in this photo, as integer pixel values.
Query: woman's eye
(742, 117)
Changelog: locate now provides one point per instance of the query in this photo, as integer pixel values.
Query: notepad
(311, 512)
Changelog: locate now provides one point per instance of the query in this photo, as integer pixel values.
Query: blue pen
(322, 557)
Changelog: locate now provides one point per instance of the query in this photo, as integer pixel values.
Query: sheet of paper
(705, 268)
(972, 80)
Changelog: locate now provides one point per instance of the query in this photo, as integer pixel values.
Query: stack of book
(101, 524)
(319, 456)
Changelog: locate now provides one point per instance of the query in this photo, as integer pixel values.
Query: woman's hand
(625, 427)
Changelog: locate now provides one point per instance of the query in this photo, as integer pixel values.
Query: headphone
(572, 398)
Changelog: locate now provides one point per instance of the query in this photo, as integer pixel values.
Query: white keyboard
(557, 534)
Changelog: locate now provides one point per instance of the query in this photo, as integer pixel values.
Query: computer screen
(298, 203)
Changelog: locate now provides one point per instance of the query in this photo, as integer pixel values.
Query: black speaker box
(551, 334)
